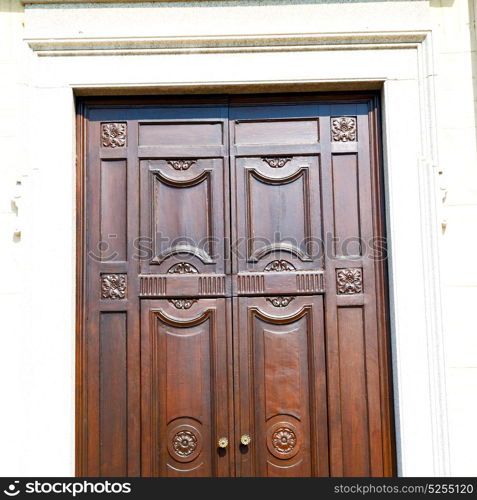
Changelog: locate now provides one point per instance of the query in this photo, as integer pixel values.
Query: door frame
(385, 344)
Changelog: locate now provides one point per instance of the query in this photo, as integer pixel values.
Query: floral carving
(277, 162)
(284, 440)
(280, 301)
(182, 303)
(184, 443)
(182, 268)
(278, 266)
(181, 164)
(343, 129)
(113, 286)
(113, 135)
(349, 281)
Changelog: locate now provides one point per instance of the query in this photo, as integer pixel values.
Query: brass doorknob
(245, 439)
(223, 442)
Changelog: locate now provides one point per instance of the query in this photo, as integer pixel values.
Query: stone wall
(455, 57)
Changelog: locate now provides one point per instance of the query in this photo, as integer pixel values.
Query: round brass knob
(223, 442)
(245, 439)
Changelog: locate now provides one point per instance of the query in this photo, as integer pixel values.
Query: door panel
(278, 211)
(180, 213)
(232, 283)
(113, 215)
(282, 386)
(184, 197)
(275, 168)
(185, 383)
(108, 399)
(113, 394)
(357, 350)
(352, 368)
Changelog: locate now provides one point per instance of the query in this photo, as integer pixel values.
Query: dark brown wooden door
(232, 310)
(186, 339)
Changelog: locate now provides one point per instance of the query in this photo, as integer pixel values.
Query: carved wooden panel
(185, 134)
(279, 265)
(310, 282)
(113, 286)
(279, 282)
(349, 281)
(211, 285)
(189, 224)
(182, 268)
(182, 303)
(277, 161)
(282, 386)
(277, 131)
(278, 212)
(185, 391)
(360, 430)
(113, 236)
(354, 411)
(343, 128)
(184, 285)
(280, 301)
(228, 289)
(182, 214)
(251, 284)
(347, 230)
(113, 409)
(113, 135)
(152, 286)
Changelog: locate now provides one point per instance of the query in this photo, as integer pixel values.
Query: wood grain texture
(283, 337)
(185, 389)
(113, 178)
(113, 394)
(346, 205)
(282, 387)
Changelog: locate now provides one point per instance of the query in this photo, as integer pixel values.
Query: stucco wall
(455, 42)
(36, 335)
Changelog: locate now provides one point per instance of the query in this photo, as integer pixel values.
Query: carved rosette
(284, 440)
(113, 135)
(277, 162)
(181, 164)
(349, 281)
(183, 268)
(182, 303)
(343, 129)
(280, 301)
(113, 286)
(279, 266)
(184, 443)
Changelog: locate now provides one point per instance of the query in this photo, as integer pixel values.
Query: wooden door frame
(81, 373)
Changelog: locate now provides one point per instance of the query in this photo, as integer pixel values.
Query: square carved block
(113, 286)
(349, 281)
(113, 135)
(344, 129)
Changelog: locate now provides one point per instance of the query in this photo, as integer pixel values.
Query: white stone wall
(36, 240)
(37, 188)
(11, 17)
(456, 86)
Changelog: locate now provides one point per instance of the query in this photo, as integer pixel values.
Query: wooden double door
(232, 308)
